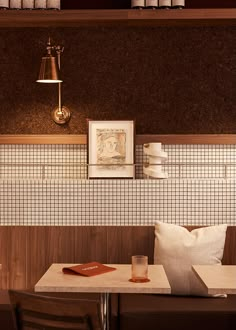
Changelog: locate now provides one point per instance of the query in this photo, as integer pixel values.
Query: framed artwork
(111, 149)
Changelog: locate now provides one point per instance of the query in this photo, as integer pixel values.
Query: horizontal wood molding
(43, 139)
(188, 139)
(183, 17)
(140, 139)
(73, 18)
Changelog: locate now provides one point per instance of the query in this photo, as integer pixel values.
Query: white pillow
(177, 250)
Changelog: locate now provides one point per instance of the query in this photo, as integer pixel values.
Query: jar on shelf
(54, 4)
(15, 4)
(151, 4)
(28, 4)
(178, 4)
(40, 4)
(137, 4)
(165, 4)
(4, 4)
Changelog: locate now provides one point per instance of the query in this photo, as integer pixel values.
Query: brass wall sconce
(50, 73)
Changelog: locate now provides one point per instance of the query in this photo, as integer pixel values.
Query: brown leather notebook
(89, 269)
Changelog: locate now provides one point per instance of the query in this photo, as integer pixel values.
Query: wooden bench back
(26, 252)
(140, 240)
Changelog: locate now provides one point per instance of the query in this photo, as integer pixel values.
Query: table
(218, 279)
(54, 280)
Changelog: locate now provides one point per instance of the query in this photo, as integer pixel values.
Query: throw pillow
(177, 249)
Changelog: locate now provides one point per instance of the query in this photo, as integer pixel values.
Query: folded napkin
(89, 269)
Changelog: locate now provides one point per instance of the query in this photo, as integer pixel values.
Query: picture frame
(110, 148)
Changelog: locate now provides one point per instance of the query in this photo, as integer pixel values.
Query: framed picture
(111, 149)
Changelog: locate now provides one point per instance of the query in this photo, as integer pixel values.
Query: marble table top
(54, 280)
(218, 279)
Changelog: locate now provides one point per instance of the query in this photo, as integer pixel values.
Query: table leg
(105, 310)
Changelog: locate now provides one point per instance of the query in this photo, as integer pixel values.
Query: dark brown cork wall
(121, 4)
(171, 80)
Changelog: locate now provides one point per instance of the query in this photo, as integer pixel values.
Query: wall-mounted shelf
(183, 17)
(74, 18)
(139, 139)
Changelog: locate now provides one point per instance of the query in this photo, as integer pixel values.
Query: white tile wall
(46, 185)
(117, 202)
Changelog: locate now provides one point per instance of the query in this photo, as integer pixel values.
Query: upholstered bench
(138, 311)
(162, 312)
(165, 312)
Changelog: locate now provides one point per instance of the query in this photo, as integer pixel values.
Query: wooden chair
(35, 311)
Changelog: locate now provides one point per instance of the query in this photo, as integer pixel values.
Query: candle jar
(4, 4)
(54, 4)
(15, 4)
(28, 4)
(40, 4)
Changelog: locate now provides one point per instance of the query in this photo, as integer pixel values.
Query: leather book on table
(88, 269)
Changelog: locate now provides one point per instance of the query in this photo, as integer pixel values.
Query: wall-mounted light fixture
(50, 73)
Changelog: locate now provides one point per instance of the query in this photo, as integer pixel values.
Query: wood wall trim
(200, 16)
(43, 139)
(75, 18)
(140, 139)
(188, 139)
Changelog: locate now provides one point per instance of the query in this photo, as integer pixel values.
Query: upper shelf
(139, 139)
(74, 18)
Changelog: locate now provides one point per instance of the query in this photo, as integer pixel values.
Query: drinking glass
(139, 269)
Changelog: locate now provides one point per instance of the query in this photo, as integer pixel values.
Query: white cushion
(177, 250)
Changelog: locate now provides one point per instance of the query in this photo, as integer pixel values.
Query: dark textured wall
(169, 79)
(91, 4)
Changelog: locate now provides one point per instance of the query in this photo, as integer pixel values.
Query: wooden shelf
(139, 139)
(183, 17)
(74, 18)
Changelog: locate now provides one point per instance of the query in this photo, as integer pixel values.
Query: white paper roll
(154, 149)
(155, 158)
(154, 173)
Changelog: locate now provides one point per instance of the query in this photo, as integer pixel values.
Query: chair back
(36, 311)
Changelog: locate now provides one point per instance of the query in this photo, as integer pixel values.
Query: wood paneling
(27, 252)
(140, 139)
(118, 246)
(17, 254)
(4, 257)
(60, 242)
(125, 241)
(36, 254)
(90, 244)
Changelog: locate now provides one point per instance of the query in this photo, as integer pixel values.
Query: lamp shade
(49, 70)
